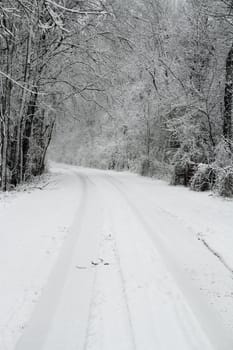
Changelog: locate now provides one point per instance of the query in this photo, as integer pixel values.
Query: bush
(146, 168)
(224, 182)
(154, 168)
(223, 154)
(183, 173)
(204, 178)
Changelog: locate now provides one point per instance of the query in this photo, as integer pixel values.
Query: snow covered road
(132, 273)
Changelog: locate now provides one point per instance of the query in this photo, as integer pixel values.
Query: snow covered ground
(113, 261)
(34, 225)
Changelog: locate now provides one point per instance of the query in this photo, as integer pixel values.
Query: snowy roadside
(34, 224)
(208, 216)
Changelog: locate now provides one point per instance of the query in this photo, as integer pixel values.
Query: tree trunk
(32, 106)
(42, 163)
(4, 154)
(19, 156)
(228, 97)
(5, 111)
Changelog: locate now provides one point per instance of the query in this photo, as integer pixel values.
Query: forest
(139, 85)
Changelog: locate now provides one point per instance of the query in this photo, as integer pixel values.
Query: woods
(144, 85)
(35, 38)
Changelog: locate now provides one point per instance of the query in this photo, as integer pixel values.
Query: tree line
(38, 41)
(144, 85)
(168, 104)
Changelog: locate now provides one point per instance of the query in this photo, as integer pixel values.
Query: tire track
(43, 313)
(174, 217)
(192, 296)
(109, 305)
(117, 256)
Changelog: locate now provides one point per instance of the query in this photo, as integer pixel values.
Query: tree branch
(87, 12)
(20, 85)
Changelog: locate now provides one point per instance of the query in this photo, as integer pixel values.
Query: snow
(207, 215)
(34, 225)
(113, 261)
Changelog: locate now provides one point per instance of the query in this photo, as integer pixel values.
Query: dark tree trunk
(228, 97)
(49, 137)
(5, 107)
(27, 134)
